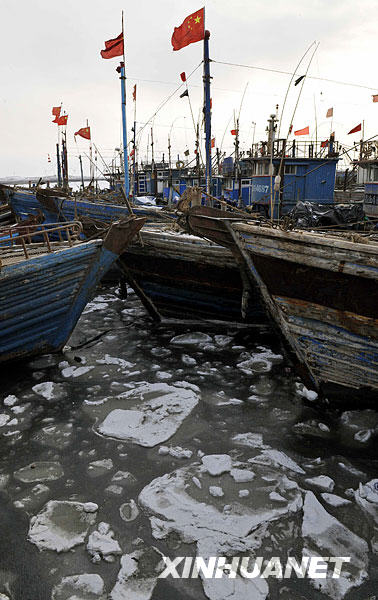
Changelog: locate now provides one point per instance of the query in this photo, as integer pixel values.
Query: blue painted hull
(41, 299)
(25, 203)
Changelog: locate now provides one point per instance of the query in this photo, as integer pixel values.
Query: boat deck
(13, 256)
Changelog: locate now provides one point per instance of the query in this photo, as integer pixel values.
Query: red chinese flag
(84, 132)
(234, 131)
(56, 111)
(304, 131)
(61, 120)
(183, 76)
(375, 98)
(134, 93)
(191, 30)
(355, 129)
(113, 47)
(213, 143)
(329, 113)
(324, 144)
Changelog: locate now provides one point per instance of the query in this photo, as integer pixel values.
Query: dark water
(261, 397)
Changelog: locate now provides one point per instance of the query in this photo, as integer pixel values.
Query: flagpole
(134, 143)
(206, 80)
(124, 128)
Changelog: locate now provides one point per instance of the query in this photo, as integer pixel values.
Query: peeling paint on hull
(327, 314)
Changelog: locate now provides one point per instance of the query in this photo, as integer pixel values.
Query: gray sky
(50, 53)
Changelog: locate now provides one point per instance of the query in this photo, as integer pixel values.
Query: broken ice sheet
(39, 471)
(101, 543)
(154, 413)
(195, 339)
(324, 535)
(86, 586)
(54, 435)
(138, 575)
(51, 390)
(60, 525)
(180, 502)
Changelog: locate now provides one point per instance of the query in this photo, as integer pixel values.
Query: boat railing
(46, 235)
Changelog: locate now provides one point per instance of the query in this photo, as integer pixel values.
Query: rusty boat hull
(322, 291)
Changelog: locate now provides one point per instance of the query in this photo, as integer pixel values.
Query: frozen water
(154, 414)
(322, 483)
(60, 526)
(249, 439)
(195, 338)
(112, 360)
(96, 468)
(216, 464)
(75, 371)
(177, 504)
(50, 390)
(138, 575)
(277, 458)
(334, 500)
(87, 586)
(4, 419)
(102, 543)
(39, 471)
(325, 536)
(129, 511)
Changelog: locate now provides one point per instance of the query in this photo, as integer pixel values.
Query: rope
(288, 73)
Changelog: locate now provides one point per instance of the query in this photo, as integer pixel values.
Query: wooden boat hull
(187, 277)
(323, 293)
(42, 298)
(56, 207)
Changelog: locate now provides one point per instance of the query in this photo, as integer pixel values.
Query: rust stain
(341, 266)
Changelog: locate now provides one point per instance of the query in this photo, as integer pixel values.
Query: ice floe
(138, 575)
(60, 526)
(322, 483)
(50, 390)
(86, 586)
(154, 413)
(196, 338)
(216, 464)
(101, 544)
(112, 360)
(129, 511)
(324, 535)
(39, 471)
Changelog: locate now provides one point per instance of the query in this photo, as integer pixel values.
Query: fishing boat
(47, 276)
(187, 277)
(55, 206)
(321, 290)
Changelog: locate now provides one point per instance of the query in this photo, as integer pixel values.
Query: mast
(207, 110)
(91, 165)
(134, 143)
(81, 171)
(58, 166)
(124, 129)
(64, 160)
(170, 170)
(237, 163)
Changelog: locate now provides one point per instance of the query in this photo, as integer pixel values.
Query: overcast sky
(50, 53)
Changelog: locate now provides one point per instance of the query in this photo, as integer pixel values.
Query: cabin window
(160, 173)
(291, 169)
(176, 182)
(245, 182)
